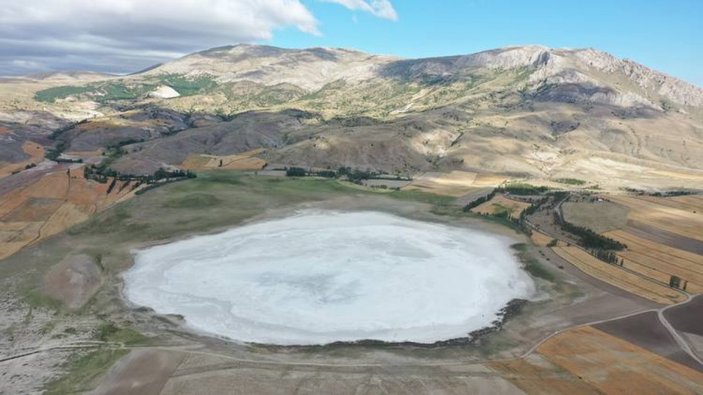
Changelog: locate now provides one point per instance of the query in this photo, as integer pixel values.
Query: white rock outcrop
(164, 92)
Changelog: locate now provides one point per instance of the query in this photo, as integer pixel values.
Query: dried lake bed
(324, 276)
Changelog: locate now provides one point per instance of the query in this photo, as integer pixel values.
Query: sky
(128, 35)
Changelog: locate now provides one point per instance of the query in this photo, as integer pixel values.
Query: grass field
(597, 216)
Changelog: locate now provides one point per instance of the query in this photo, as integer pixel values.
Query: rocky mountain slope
(526, 111)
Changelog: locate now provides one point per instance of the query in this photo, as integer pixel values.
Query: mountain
(527, 111)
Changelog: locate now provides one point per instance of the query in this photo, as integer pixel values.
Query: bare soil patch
(663, 236)
(243, 161)
(73, 281)
(646, 331)
(141, 372)
(688, 317)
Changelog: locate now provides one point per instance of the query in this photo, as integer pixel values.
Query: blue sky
(664, 35)
(124, 36)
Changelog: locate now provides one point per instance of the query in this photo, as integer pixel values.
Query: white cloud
(379, 8)
(127, 35)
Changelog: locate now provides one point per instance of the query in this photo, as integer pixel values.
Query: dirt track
(688, 317)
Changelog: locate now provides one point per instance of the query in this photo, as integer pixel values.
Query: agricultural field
(501, 205)
(540, 239)
(599, 216)
(619, 277)
(661, 235)
(677, 216)
(455, 183)
(36, 156)
(51, 204)
(612, 365)
(659, 261)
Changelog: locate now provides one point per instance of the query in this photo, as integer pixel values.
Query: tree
(296, 172)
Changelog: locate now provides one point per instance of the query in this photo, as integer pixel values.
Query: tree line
(103, 174)
(589, 238)
(353, 175)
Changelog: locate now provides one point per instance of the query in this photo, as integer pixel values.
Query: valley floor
(581, 337)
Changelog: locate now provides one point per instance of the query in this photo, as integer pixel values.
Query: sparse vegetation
(110, 332)
(83, 370)
(531, 264)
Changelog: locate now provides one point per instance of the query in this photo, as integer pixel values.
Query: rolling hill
(526, 111)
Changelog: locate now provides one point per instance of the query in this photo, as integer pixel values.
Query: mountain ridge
(526, 110)
(552, 59)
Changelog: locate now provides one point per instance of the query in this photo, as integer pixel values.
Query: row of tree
(479, 201)
(353, 175)
(589, 238)
(607, 256)
(522, 189)
(104, 174)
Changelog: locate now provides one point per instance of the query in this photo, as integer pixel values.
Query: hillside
(526, 111)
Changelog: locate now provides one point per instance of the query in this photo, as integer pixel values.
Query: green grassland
(104, 92)
(50, 95)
